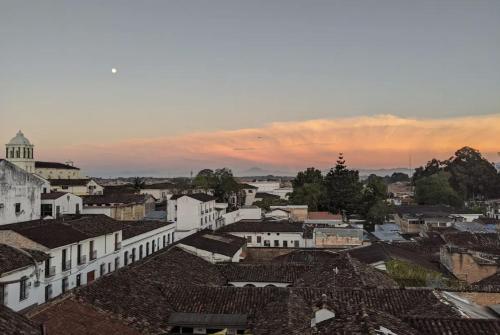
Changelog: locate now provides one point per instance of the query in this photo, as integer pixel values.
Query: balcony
(82, 260)
(66, 265)
(51, 272)
(93, 255)
(118, 246)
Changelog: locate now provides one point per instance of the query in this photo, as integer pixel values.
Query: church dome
(19, 139)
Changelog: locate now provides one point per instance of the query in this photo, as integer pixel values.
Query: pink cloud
(370, 141)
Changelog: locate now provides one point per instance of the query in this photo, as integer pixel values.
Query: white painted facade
(137, 247)
(19, 151)
(244, 213)
(265, 186)
(88, 188)
(65, 204)
(191, 215)
(60, 274)
(272, 239)
(20, 194)
(158, 194)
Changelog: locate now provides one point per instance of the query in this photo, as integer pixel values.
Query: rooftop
(12, 323)
(215, 242)
(197, 196)
(115, 198)
(54, 165)
(69, 182)
(53, 195)
(12, 258)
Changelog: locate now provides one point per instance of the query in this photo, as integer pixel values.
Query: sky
(275, 84)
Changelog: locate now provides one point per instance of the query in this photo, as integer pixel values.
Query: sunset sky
(279, 85)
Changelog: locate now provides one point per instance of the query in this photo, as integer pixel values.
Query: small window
(18, 207)
(259, 239)
(102, 269)
(23, 289)
(249, 239)
(276, 243)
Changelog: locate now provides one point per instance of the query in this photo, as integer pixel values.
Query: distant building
(119, 206)
(20, 151)
(337, 237)
(76, 186)
(19, 194)
(160, 191)
(296, 212)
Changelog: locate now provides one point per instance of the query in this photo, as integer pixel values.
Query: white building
(76, 186)
(249, 192)
(215, 247)
(19, 151)
(55, 204)
(160, 192)
(192, 212)
(276, 234)
(265, 186)
(81, 249)
(243, 213)
(19, 194)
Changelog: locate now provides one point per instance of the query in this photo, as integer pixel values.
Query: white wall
(250, 213)
(158, 194)
(132, 246)
(191, 214)
(67, 204)
(265, 186)
(98, 210)
(283, 237)
(210, 256)
(18, 186)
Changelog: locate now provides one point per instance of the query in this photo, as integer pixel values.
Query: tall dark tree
(309, 176)
(436, 190)
(205, 180)
(139, 183)
(374, 207)
(432, 167)
(343, 188)
(226, 185)
(472, 175)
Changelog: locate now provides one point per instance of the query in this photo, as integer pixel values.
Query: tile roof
(263, 226)
(12, 323)
(223, 244)
(53, 195)
(248, 186)
(134, 228)
(69, 182)
(66, 230)
(54, 165)
(265, 195)
(115, 198)
(323, 216)
(484, 242)
(12, 258)
(268, 272)
(145, 295)
(197, 196)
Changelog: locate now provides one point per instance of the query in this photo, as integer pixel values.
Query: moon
(114, 70)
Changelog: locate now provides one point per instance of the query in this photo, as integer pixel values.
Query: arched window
(270, 285)
(249, 285)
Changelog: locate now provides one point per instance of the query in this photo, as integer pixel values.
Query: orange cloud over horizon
(370, 141)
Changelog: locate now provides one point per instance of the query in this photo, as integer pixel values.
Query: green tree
(472, 175)
(373, 204)
(309, 176)
(311, 194)
(139, 183)
(398, 177)
(343, 188)
(436, 190)
(377, 213)
(432, 167)
(225, 185)
(205, 180)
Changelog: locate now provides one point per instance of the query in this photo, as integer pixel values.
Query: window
(140, 252)
(102, 270)
(58, 211)
(201, 221)
(259, 239)
(64, 284)
(80, 258)
(125, 258)
(117, 263)
(3, 296)
(118, 245)
(276, 243)
(46, 210)
(296, 244)
(92, 252)
(48, 292)
(249, 239)
(164, 241)
(66, 265)
(78, 280)
(285, 244)
(133, 255)
(168, 238)
(17, 206)
(267, 243)
(77, 209)
(147, 248)
(153, 245)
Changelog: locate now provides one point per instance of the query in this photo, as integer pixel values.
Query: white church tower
(20, 152)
